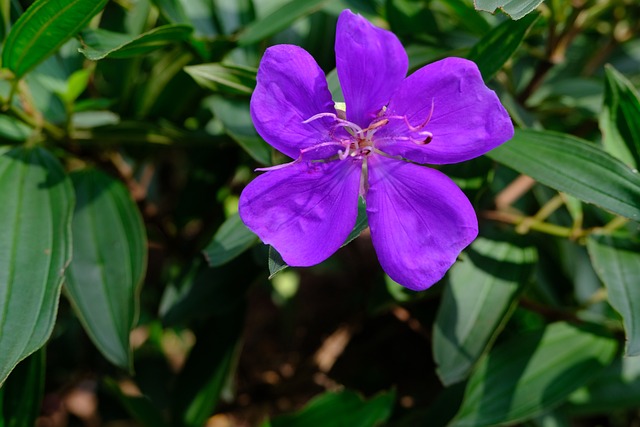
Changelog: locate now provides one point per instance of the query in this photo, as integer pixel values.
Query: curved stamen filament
(340, 122)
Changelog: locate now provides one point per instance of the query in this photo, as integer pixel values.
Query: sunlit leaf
(620, 118)
(532, 373)
(516, 9)
(477, 302)
(43, 28)
(575, 167)
(99, 44)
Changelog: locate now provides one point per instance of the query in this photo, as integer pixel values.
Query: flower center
(360, 142)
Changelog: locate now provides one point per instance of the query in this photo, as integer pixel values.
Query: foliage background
(125, 140)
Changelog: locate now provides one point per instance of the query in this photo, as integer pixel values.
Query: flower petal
(467, 118)
(420, 221)
(291, 88)
(305, 210)
(371, 64)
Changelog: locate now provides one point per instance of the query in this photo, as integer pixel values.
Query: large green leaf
(480, 296)
(516, 9)
(574, 166)
(278, 20)
(35, 248)
(617, 263)
(21, 395)
(226, 78)
(231, 239)
(345, 408)
(497, 46)
(98, 43)
(109, 260)
(43, 28)
(620, 118)
(532, 373)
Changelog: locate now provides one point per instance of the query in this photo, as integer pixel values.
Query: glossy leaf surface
(477, 302)
(574, 166)
(516, 9)
(43, 28)
(99, 44)
(532, 373)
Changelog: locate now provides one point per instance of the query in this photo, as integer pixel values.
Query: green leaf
(278, 20)
(617, 263)
(139, 407)
(109, 261)
(99, 44)
(13, 129)
(498, 45)
(532, 373)
(361, 222)
(236, 119)
(481, 295)
(35, 248)
(344, 408)
(516, 9)
(201, 381)
(77, 83)
(231, 239)
(21, 395)
(573, 166)
(275, 262)
(226, 78)
(43, 28)
(620, 118)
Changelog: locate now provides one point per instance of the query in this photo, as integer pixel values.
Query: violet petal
(420, 221)
(305, 210)
(467, 121)
(371, 64)
(291, 88)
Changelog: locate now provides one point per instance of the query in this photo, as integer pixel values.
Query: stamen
(340, 122)
(421, 125)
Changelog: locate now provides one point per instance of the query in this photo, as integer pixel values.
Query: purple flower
(443, 113)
